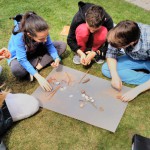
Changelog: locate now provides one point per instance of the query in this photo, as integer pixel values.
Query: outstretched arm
(130, 95)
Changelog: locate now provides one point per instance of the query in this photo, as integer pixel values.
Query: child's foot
(39, 66)
(76, 60)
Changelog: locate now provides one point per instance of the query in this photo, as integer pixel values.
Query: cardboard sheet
(84, 97)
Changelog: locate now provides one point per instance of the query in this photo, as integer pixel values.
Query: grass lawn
(48, 130)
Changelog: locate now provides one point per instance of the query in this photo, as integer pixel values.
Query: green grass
(48, 130)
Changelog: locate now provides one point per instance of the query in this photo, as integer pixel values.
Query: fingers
(46, 86)
(116, 85)
(88, 52)
(123, 98)
(52, 64)
(5, 52)
(82, 60)
(98, 51)
(2, 57)
(55, 64)
(43, 82)
(85, 61)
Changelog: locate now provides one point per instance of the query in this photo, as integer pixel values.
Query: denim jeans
(127, 70)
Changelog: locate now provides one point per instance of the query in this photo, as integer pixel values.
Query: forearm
(28, 66)
(143, 87)
(112, 65)
(37, 75)
(80, 52)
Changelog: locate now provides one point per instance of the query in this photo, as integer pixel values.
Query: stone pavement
(145, 4)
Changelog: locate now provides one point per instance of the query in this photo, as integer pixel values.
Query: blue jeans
(126, 68)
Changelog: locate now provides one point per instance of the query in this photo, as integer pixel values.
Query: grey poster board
(93, 102)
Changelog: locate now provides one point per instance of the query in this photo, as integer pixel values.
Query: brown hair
(32, 23)
(123, 34)
(95, 16)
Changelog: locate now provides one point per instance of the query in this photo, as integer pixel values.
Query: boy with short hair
(88, 32)
(134, 38)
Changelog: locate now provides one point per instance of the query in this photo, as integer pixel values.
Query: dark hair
(123, 34)
(95, 16)
(32, 23)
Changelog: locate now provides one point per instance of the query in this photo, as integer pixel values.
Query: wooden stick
(68, 78)
(54, 91)
(84, 76)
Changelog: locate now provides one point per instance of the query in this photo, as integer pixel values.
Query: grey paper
(93, 102)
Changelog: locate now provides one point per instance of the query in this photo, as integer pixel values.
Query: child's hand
(130, 95)
(82, 58)
(89, 57)
(43, 82)
(2, 57)
(1, 54)
(55, 64)
(116, 83)
(4, 53)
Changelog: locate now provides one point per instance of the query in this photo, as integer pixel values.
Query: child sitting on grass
(32, 49)
(134, 38)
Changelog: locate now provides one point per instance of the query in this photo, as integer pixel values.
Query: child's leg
(60, 46)
(99, 38)
(126, 69)
(21, 106)
(17, 70)
(47, 59)
(82, 35)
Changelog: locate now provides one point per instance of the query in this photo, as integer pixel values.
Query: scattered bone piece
(50, 80)
(54, 91)
(57, 83)
(81, 105)
(92, 100)
(64, 87)
(61, 89)
(63, 81)
(101, 108)
(86, 80)
(69, 79)
(84, 76)
(82, 91)
(71, 96)
(83, 95)
(86, 97)
(94, 105)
